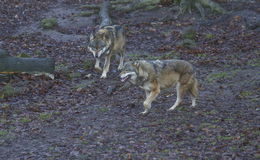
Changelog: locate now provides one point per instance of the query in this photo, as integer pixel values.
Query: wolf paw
(98, 69)
(119, 68)
(103, 76)
(144, 113)
(171, 109)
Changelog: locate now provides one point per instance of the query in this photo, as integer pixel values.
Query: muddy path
(80, 116)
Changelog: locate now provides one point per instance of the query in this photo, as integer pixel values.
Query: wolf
(105, 42)
(154, 75)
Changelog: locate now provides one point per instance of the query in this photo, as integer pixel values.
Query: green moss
(88, 64)
(187, 43)
(49, 23)
(62, 68)
(245, 94)
(254, 63)
(74, 75)
(201, 55)
(25, 120)
(23, 55)
(103, 109)
(216, 76)
(87, 6)
(3, 133)
(225, 138)
(38, 52)
(207, 125)
(45, 116)
(210, 36)
(144, 129)
(8, 90)
(86, 14)
(189, 33)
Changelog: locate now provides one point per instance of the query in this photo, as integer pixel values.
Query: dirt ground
(80, 116)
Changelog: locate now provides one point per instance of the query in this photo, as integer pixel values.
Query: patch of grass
(74, 75)
(257, 156)
(38, 52)
(45, 116)
(86, 13)
(83, 84)
(169, 55)
(187, 43)
(254, 63)
(256, 133)
(229, 119)
(216, 76)
(201, 55)
(200, 138)
(189, 33)
(245, 94)
(233, 148)
(23, 55)
(5, 106)
(3, 133)
(207, 125)
(57, 113)
(255, 99)
(3, 121)
(213, 112)
(84, 142)
(103, 109)
(221, 75)
(49, 23)
(62, 68)
(144, 129)
(209, 36)
(25, 120)
(88, 64)
(8, 90)
(224, 138)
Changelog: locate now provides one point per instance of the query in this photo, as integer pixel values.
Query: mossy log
(9, 64)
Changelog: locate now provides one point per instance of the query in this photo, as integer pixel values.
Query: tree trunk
(104, 14)
(10, 64)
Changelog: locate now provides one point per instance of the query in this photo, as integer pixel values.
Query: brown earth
(80, 116)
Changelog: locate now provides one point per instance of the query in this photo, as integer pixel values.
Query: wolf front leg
(150, 97)
(106, 66)
(97, 67)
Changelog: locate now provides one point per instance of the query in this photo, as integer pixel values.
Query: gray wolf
(105, 42)
(152, 76)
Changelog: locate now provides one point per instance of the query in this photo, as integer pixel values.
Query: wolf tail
(194, 87)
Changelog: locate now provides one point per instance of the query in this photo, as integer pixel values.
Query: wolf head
(130, 72)
(99, 43)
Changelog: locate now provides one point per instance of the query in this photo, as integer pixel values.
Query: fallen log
(10, 65)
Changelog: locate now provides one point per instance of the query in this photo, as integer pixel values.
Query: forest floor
(80, 116)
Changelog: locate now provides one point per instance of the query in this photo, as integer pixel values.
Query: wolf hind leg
(121, 60)
(180, 88)
(193, 90)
